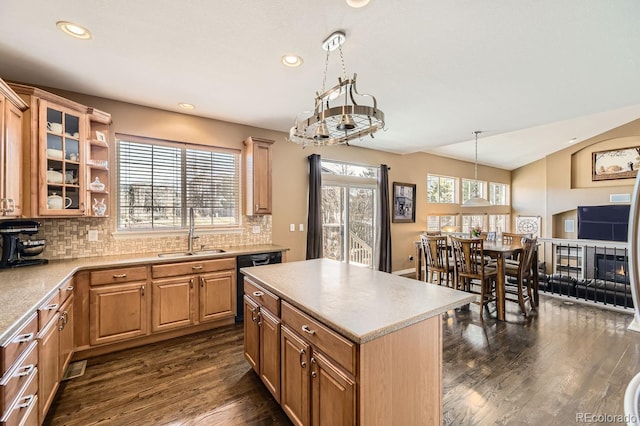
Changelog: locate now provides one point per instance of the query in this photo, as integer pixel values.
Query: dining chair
(523, 272)
(468, 270)
(436, 252)
(488, 236)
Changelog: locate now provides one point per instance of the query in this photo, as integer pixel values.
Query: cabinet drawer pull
(258, 293)
(70, 288)
(307, 330)
(253, 318)
(197, 268)
(27, 401)
(119, 276)
(303, 363)
(314, 373)
(142, 291)
(25, 371)
(52, 307)
(23, 338)
(191, 283)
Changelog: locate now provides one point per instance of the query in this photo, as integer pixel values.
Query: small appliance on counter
(17, 251)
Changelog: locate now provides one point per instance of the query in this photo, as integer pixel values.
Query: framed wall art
(621, 163)
(404, 202)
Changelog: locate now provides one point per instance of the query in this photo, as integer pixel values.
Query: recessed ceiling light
(357, 3)
(292, 60)
(185, 105)
(74, 30)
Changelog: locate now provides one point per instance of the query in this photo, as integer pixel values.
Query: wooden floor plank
(545, 369)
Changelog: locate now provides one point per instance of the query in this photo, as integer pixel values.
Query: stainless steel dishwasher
(246, 261)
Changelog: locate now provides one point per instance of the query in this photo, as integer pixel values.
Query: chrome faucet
(191, 235)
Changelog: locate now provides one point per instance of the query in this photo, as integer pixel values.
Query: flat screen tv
(607, 223)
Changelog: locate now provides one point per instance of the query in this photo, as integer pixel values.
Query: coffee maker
(17, 251)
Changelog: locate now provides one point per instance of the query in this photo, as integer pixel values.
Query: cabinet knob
(307, 330)
(258, 293)
(303, 363)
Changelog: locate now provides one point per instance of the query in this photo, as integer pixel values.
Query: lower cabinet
(55, 345)
(185, 301)
(117, 312)
(262, 344)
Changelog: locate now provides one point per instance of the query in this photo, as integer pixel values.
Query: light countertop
(24, 289)
(359, 303)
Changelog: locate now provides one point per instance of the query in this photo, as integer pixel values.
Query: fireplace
(612, 267)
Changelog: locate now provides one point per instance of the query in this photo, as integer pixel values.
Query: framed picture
(101, 137)
(404, 202)
(619, 163)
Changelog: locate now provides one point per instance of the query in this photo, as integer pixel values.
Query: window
(468, 189)
(441, 189)
(159, 181)
(498, 194)
(498, 223)
(349, 194)
(470, 221)
(438, 222)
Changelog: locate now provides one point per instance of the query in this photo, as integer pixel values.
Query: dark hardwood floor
(561, 364)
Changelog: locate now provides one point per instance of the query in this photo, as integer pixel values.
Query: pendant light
(340, 113)
(476, 200)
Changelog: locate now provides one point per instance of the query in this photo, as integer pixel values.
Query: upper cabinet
(11, 111)
(66, 156)
(258, 176)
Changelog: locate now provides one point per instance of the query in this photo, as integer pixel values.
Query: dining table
(498, 251)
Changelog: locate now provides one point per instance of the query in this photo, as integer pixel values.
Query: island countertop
(359, 303)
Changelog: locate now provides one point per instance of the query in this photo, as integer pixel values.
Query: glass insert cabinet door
(61, 161)
(348, 218)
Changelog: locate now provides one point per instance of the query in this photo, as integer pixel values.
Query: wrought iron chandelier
(337, 118)
(476, 200)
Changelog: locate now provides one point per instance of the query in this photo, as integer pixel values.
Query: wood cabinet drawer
(48, 310)
(193, 267)
(66, 290)
(15, 378)
(118, 275)
(22, 409)
(18, 343)
(328, 341)
(261, 296)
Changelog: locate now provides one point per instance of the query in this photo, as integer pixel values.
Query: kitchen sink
(191, 253)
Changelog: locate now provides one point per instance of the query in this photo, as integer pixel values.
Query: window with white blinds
(159, 181)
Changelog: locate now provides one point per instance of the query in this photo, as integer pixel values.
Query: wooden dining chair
(468, 270)
(437, 262)
(488, 236)
(523, 272)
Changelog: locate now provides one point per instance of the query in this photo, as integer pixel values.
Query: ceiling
(531, 74)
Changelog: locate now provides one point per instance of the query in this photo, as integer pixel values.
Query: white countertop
(359, 303)
(24, 289)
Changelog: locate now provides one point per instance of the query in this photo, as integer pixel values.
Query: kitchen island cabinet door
(270, 352)
(333, 393)
(172, 303)
(117, 312)
(296, 390)
(217, 295)
(251, 334)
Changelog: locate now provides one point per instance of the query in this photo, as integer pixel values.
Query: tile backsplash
(67, 238)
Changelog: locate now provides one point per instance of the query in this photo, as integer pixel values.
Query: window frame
(183, 224)
(482, 188)
(454, 186)
(490, 195)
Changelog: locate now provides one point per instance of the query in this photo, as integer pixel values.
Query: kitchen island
(357, 346)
